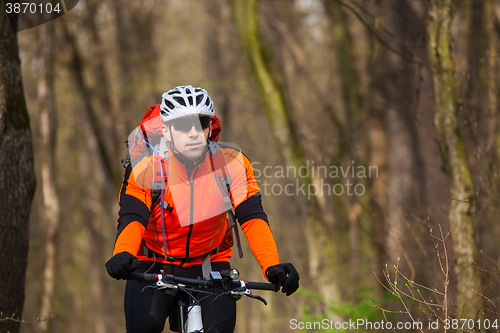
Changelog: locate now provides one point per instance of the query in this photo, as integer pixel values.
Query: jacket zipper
(188, 240)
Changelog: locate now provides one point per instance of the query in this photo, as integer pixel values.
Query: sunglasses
(185, 124)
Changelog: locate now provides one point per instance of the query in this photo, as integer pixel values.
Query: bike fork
(193, 322)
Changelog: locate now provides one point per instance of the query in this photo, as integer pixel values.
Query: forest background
(373, 128)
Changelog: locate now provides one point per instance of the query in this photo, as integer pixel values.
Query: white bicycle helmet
(185, 101)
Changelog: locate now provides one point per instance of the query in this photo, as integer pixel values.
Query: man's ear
(166, 132)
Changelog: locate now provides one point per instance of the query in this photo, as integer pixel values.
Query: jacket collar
(183, 160)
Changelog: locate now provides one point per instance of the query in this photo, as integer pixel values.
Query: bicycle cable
(189, 291)
(223, 319)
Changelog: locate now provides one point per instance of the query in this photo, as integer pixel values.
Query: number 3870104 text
(31, 7)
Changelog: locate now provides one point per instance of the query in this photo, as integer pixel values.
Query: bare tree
(321, 262)
(17, 180)
(96, 138)
(462, 209)
(492, 77)
(219, 58)
(399, 81)
(48, 130)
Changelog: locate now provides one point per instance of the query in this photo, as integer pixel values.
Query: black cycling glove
(121, 264)
(284, 275)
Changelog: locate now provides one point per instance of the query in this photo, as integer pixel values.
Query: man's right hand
(121, 264)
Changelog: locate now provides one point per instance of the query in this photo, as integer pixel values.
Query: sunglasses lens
(185, 125)
(205, 122)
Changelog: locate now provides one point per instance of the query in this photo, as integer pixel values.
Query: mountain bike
(186, 291)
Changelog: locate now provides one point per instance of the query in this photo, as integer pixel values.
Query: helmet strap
(172, 143)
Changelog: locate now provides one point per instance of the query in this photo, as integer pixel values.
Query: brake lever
(257, 297)
(153, 286)
(247, 293)
(167, 288)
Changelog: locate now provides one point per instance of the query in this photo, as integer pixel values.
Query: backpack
(148, 138)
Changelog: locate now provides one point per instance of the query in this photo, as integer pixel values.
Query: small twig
(383, 312)
(422, 286)
(478, 293)
(439, 311)
(19, 320)
(476, 201)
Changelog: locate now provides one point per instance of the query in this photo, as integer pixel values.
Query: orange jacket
(197, 222)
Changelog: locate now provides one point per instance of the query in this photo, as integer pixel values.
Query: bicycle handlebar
(143, 277)
(260, 285)
(170, 284)
(199, 282)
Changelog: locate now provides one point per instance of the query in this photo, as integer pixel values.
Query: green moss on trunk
(462, 208)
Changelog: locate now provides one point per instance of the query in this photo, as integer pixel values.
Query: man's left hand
(284, 275)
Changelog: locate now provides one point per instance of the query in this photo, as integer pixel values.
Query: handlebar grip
(261, 285)
(143, 277)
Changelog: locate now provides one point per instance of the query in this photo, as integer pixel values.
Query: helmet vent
(199, 98)
(180, 100)
(169, 104)
(207, 103)
(190, 100)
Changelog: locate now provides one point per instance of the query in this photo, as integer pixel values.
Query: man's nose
(193, 131)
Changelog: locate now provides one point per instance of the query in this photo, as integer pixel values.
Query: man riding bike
(173, 213)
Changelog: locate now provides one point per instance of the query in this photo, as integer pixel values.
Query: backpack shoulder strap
(218, 161)
(156, 188)
(221, 171)
(162, 148)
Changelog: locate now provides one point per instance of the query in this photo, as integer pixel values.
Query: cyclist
(184, 227)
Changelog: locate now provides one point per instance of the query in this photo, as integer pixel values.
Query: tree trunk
(17, 179)
(462, 209)
(400, 93)
(138, 69)
(95, 138)
(219, 60)
(48, 130)
(321, 258)
(109, 116)
(352, 145)
(274, 105)
(349, 75)
(491, 82)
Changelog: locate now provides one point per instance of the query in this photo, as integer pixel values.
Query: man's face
(189, 135)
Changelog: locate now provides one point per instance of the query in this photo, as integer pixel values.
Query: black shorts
(146, 312)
